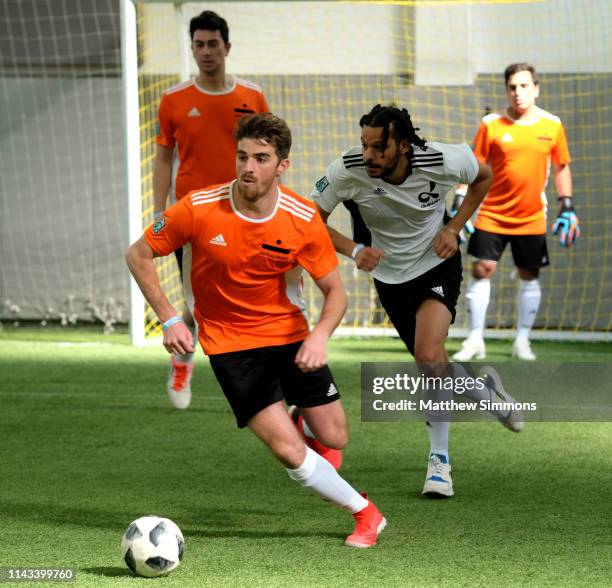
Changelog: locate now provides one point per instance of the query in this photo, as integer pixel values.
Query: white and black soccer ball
(152, 546)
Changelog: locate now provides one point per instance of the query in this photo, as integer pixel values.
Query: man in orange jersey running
(519, 145)
(248, 239)
(196, 124)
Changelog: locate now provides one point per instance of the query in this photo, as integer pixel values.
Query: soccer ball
(152, 546)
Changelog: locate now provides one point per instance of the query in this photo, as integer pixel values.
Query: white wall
(282, 37)
(455, 43)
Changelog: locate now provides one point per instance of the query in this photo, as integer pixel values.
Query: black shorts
(528, 251)
(256, 378)
(402, 301)
(179, 260)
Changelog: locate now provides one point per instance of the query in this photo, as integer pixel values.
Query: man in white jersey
(394, 185)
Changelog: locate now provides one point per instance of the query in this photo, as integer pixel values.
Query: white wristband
(171, 321)
(357, 249)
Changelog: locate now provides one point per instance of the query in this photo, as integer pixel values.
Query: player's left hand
(566, 224)
(445, 243)
(312, 353)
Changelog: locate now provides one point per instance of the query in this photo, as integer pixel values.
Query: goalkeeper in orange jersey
(520, 144)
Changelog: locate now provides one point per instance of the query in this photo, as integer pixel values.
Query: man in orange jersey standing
(520, 145)
(196, 124)
(248, 239)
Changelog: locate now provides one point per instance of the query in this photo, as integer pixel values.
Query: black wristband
(458, 200)
(567, 203)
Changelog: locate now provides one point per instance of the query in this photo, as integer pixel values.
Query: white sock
(438, 437)
(470, 392)
(307, 430)
(478, 294)
(320, 476)
(187, 357)
(530, 295)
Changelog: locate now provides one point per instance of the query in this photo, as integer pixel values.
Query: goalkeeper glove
(566, 224)
(469, 227)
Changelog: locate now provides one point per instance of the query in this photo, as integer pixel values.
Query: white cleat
(438, 483)
(521, 349)
(471, 348)
(179, 383)
(511, 419)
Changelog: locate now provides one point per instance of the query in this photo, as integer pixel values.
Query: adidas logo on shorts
(438, 290)
(332, 390)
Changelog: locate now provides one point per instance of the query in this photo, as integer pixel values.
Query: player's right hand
(368, 258)
(178, 339)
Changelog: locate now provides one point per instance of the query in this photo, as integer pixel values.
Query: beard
(253, 190)
(384, 171)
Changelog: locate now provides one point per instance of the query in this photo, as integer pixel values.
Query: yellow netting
(323, 64)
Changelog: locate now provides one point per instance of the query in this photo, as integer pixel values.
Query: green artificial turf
(89, 443)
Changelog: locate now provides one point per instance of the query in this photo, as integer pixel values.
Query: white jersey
(403, 219)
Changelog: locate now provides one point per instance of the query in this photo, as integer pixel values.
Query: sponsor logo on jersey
(218, 240)
(159, 225)
(429, 198)
(322, 184)
(544, 138)
(507, 138)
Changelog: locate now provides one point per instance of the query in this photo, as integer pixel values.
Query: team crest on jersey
(322, 184)
(159, 225)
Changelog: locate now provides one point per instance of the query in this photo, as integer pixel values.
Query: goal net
(323, 64)
(65, 140)
(63, 207)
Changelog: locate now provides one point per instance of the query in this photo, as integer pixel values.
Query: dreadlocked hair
(395, 122)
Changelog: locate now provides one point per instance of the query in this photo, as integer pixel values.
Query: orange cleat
(369, 524)
(333, 456)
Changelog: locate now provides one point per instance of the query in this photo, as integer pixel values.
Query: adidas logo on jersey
(332, 390)
(438, 290)
(194, 112)
(507, 138)
(218, 240)
(380, 191)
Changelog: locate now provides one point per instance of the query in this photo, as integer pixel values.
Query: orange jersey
(245, 273)
(520, 156)
(201, 124)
